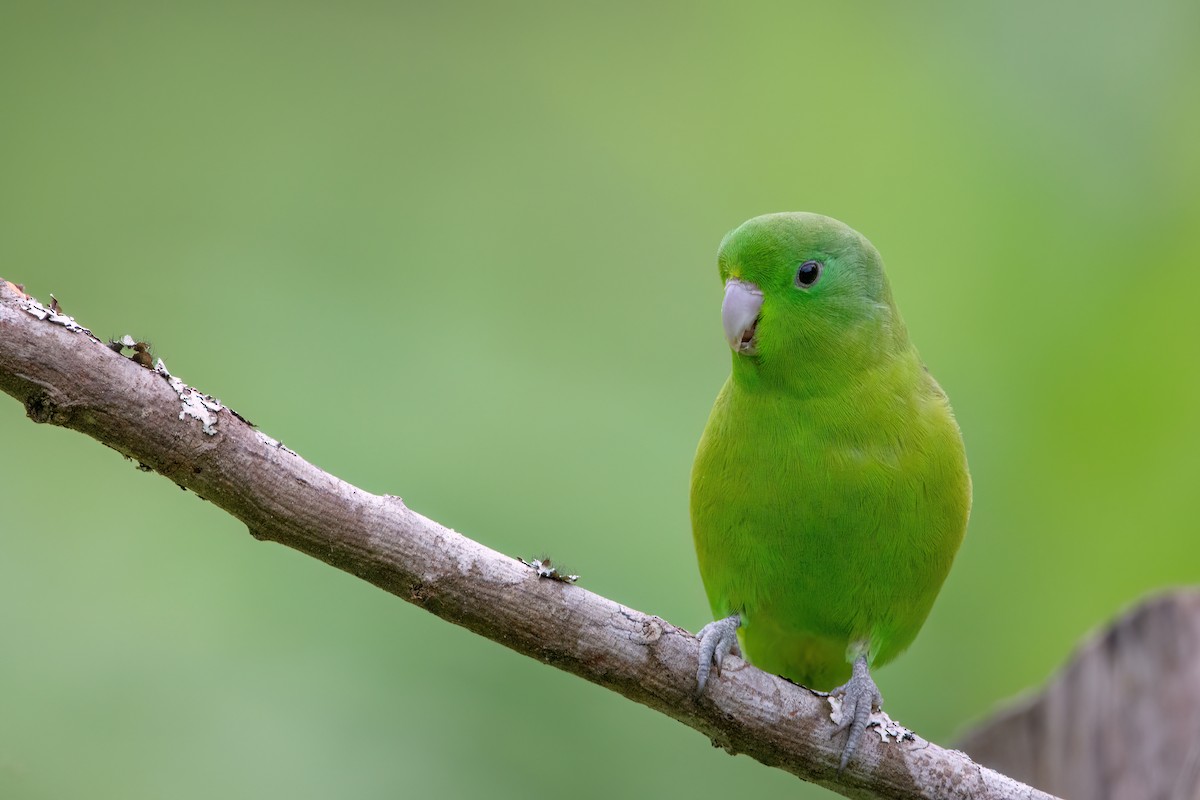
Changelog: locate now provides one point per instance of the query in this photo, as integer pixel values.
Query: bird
(830, 490)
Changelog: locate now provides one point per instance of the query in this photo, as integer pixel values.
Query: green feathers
(830, 489)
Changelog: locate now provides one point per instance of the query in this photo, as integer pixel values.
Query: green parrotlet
(830, 490)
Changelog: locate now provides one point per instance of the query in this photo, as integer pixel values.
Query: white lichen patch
(545, 569)
(887, 728)
(881, 723)
(195, 404)
(52, 315)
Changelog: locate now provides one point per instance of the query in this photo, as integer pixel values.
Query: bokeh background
(465, 254)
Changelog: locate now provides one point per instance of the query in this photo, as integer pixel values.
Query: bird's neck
(883, 355)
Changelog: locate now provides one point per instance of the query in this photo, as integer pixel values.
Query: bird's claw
(860, 697)
(717, 640)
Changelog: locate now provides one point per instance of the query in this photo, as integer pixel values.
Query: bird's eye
(808, 273)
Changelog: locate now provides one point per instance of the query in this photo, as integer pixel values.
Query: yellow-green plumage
(830, 490)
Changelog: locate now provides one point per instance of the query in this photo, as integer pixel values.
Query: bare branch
(67, 377)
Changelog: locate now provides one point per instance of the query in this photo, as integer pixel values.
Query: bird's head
(806, 300)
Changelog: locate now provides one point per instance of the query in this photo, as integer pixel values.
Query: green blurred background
(466, 255)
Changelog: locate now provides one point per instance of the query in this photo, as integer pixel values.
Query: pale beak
(739, 315)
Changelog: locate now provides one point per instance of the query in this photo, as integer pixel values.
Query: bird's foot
(717, 640)
(860, 696)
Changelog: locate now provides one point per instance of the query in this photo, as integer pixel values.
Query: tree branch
(65, 376)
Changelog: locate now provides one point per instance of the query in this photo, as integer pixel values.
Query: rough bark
(65, 376)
